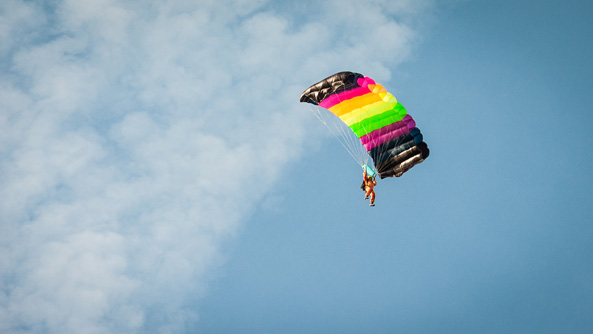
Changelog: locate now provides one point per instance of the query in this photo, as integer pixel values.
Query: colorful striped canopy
(381, 123)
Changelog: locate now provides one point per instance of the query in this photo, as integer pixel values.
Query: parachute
(369, 122)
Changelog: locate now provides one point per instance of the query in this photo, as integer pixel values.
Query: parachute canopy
(386, 131)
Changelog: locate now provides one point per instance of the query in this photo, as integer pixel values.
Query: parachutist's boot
(366, 197)
(372, 204)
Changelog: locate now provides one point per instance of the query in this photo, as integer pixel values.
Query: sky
(159, 175)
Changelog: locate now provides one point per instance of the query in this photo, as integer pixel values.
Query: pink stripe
(388, 133)
(363, 82)
(334, 99)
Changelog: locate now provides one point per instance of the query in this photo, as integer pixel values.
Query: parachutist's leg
(372, 198)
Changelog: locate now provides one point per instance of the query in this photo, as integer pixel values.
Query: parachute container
(386, 131)
(369, 170)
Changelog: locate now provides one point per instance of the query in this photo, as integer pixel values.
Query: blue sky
(158, 174)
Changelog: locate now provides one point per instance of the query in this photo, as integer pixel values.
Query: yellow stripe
(367, 111)
(358, 102)
(389, 98)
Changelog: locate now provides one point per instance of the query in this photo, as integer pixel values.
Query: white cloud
(134, 140)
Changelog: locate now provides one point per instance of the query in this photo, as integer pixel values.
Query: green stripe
(371, 124)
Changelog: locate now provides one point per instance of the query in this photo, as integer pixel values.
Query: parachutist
(369, 185)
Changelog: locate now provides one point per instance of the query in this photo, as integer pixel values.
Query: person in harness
(368, 185)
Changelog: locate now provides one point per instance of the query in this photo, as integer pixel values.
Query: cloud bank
(135, 137)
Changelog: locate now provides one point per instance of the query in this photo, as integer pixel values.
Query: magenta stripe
(388, 133)
(363, 82)
(334, 99)
(372, 136)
